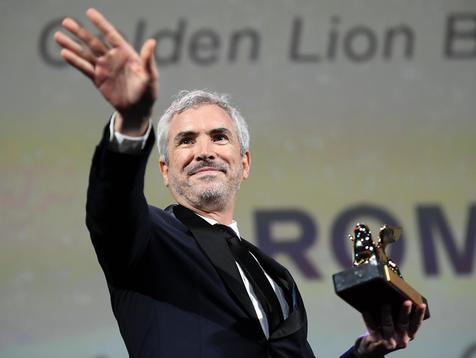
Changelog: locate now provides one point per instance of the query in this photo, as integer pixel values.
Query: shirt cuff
(126, 144)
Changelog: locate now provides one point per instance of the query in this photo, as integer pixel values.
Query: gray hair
(188, 99)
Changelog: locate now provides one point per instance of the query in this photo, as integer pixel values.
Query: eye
(185, 141)
(220, 137)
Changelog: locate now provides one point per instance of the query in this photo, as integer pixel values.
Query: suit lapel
(215, 247)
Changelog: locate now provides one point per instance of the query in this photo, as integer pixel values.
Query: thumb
(147, 55)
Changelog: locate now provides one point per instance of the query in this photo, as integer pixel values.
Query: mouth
(206, 169)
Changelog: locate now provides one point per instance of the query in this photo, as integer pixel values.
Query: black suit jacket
(173, 291)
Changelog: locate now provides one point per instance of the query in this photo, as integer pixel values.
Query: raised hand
(388, 336)
(128, 80)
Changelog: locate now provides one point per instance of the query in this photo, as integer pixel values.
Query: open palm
(128, 80)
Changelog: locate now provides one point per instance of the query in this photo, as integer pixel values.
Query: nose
(205, 150)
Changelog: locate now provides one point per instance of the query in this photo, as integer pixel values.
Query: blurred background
(359, 111)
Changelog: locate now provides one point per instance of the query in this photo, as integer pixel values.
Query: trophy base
(367, 287)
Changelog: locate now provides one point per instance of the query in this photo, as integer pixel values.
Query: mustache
(206, 164)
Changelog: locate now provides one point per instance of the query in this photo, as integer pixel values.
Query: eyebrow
(220, 131)
(193, 134)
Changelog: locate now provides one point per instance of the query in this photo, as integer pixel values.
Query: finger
(147, 52)
(388, 329)
(107, 29)
(78, 62)
(403, 317)
(416, 320)
(95, 45)
(67, 43)
(372, 326)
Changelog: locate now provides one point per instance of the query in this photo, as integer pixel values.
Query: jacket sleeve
(117, 214)
(349, 353)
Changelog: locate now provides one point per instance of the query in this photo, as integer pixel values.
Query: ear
(164, 169)
(246, 162)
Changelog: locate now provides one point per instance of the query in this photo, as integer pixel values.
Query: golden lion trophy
(375, 279)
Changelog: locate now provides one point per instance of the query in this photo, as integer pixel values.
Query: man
(182, 282)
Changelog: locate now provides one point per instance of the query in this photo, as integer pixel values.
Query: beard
(210, 193)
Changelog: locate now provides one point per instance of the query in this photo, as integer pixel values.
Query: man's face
(205, 166)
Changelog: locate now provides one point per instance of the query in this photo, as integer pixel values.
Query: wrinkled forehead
(202, 118)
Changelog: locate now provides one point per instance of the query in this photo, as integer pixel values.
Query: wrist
(358, 350)
(133, 127)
